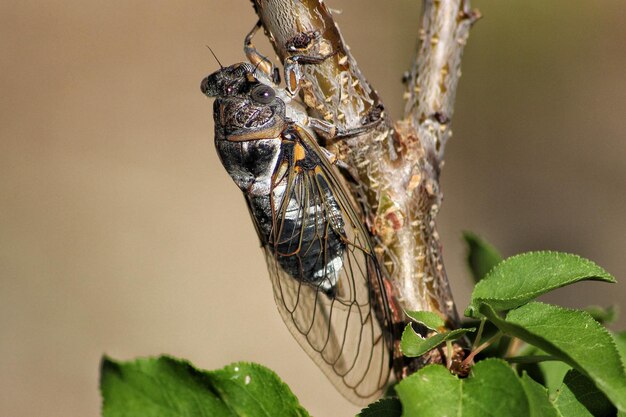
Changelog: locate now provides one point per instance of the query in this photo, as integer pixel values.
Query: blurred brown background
(121, 233)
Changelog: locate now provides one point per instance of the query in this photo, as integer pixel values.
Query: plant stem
(479, 333)
(470, 358)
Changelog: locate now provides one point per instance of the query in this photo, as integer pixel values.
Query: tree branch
(437, 69)
(396, 164)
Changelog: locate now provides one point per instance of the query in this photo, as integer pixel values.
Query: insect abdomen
(306, 236)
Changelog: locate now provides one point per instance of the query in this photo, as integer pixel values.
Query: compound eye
(263, 94)
(209, 86)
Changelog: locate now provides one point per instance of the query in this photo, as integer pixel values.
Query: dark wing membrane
(336, 316)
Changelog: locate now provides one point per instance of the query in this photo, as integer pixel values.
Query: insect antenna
(214, 56)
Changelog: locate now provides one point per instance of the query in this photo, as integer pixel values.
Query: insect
(326, 280)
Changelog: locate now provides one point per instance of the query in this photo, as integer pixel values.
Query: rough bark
(396, 164)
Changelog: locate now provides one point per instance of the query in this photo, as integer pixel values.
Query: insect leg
(258, 60)
(329, 131)
(301, 46)
(293, 70)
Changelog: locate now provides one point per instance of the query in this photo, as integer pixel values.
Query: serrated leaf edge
(566, 357)
(255, 366)
(482, 300)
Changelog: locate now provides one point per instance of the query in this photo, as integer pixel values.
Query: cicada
(326, 280)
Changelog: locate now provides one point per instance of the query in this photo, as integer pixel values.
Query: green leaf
(168, 387)
(414, 345)
(387, 407)
(427, 318)
(493, 390)
(553, 373)
(578, 397)
(431, 391)
(481, 256)
(538, 401)
(547, 372)
(573, 336)
(521, 278)
(620, 341)
(603, 315)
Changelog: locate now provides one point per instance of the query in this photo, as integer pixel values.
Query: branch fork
(397, 164)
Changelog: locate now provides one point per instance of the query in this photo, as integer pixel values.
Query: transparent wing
(341, 318)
